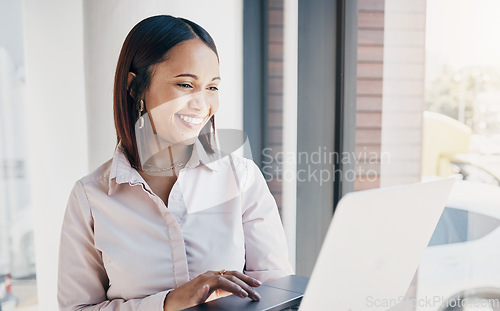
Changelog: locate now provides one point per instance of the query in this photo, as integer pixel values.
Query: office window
(390, 92)
(428, 87)
(369, 93)
(293, 110)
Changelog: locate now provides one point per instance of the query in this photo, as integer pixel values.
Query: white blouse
(123, 249)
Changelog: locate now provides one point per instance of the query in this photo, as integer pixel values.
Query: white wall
(107, 23)
(56, 124)
(71, 52)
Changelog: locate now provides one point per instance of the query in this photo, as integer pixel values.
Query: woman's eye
(185, 85)
(213, 88)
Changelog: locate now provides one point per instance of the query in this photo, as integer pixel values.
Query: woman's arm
(266, 250)
(82, 278)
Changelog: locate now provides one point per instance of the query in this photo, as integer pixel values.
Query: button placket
(181, 273)
(176, 204)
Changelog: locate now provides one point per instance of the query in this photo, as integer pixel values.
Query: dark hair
(145, 46)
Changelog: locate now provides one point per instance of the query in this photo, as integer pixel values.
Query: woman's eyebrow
(193, 76)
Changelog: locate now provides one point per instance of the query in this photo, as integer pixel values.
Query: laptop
(369, 256)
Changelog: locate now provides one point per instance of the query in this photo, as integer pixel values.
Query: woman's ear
(131, 77)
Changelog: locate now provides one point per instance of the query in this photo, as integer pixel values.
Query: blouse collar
(122, 172)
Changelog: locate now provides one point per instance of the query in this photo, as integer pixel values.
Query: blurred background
(334, 95)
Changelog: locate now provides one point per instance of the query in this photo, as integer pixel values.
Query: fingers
(243, 282)
(252, 294)
(245, 278)
(220, 282)
(202, 286)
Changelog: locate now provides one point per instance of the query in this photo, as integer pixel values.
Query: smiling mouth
(191, 121)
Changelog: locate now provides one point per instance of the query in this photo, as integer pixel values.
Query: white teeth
(191, 119)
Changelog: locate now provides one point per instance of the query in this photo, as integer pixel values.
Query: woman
(169, 220)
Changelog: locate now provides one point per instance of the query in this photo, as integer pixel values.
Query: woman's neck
(168, 161)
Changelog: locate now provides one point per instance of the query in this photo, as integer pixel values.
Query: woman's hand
(199, 289)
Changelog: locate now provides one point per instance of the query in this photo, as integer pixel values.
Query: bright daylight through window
(429, 95)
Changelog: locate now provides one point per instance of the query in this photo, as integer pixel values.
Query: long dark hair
(147, 45)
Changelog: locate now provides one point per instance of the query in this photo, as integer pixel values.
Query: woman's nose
(198, 101)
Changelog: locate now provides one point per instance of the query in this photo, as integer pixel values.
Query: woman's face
(183, 94)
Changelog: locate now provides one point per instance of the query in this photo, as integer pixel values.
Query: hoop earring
(141, 109)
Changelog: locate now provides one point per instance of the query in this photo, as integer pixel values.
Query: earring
(141, 109)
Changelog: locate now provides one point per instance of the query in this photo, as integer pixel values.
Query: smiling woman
(182, 103)
(202, 223)
(153, 69)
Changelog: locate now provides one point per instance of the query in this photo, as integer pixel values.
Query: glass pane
(462, 92)
(428, 105)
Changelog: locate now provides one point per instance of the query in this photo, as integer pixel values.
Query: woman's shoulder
(247, 170)
(95, 183)
(235, 160)
(98, 177)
